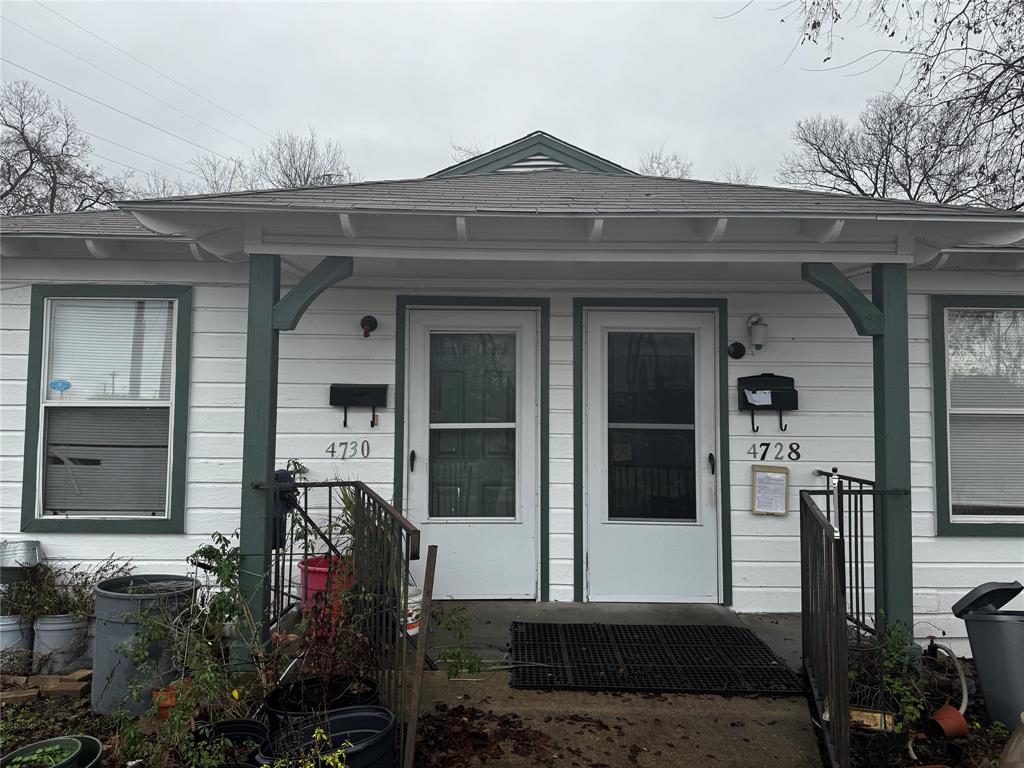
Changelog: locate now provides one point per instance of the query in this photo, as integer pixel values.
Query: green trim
(866, 317)
(725, 491)
(175, 522)
(402, 306)
(532, 144)
(289, 310)
(944, 526)
(893, 540)
(259, 438)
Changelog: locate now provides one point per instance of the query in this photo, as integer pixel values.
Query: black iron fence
(824, 628)
(340, 563)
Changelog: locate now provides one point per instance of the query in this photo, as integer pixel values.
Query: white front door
(473, 462)
(650, 435)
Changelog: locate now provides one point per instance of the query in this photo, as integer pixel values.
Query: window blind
(985, 364)
(110, 349)
(104, 459)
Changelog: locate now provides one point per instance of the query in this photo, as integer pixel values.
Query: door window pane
(472, 473)
(650, 378)
(651, 437)
(110, 349)
(105, 461)
(651, 474)
(472, 378)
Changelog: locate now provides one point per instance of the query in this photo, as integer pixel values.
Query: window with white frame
(985, 411)
(106, 408)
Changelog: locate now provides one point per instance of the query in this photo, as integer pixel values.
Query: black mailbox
(372, 396)
(767, 392)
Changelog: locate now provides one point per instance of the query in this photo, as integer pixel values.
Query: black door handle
(711, 462)
(412, 460)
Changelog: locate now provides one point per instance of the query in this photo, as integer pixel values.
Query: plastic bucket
(16, 558)
(120, 604)
(319, 573)
(59, 641)
(92, 751)
(370, 731)
(296, 702)
(15, 634)
(412, 611)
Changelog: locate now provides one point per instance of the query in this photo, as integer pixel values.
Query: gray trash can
(997, 643)
(119, 605)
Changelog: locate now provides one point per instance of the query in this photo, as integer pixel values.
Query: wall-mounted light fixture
(368, 324)
(757, 329)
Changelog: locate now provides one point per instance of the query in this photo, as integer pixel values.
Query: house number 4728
(775, 451)
(349, 449)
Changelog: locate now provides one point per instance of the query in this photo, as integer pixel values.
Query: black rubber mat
(652, 658)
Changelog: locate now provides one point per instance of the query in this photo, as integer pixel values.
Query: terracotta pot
(949, 721)
(164, 699)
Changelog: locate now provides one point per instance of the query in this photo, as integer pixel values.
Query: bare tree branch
(44, 157)
(908, 151)
(658, 162)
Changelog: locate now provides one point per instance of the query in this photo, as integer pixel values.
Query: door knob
(412, 460)
(711, 462)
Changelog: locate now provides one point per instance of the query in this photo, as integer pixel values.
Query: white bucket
(15, 634)
(412, 611)
(59, 642)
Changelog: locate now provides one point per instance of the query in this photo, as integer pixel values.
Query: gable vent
(537, 162)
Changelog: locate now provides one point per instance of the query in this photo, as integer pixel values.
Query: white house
(556, 335)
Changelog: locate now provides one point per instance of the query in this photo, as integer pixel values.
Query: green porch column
(894, 580)
(258, 443)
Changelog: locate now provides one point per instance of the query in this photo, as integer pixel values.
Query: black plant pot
(369, 730)
(246, 735)
(296, 702)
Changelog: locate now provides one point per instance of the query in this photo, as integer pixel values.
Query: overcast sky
(396, 83)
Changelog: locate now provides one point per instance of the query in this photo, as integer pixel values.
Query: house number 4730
(349, 449)
(776, 451)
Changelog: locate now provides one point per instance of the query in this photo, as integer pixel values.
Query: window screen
(107, 407)
(985, 370)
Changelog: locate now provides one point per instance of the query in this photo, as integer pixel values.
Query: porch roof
(562, 193)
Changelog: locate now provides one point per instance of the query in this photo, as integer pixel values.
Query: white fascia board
(583, 253)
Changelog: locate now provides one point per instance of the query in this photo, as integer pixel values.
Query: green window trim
(403, 304)
(944, 525)
(175, 521)
(720, 306)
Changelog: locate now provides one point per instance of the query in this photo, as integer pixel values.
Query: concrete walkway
(607, 730)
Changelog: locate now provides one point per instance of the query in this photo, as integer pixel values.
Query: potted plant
(61, 603)
(17, 599)
(52, 753)
(336, 659)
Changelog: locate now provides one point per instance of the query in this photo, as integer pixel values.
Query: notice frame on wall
(769, 490)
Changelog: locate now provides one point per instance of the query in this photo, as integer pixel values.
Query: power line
(152, 68)
(139, 152)
(115, 109)
(125, 82)
(132, 168)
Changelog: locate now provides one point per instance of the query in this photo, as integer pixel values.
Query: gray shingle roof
(563, 193)
(84, 224)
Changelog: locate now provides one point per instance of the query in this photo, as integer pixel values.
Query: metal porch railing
(850, 506)
(362, 546)
(823, 623)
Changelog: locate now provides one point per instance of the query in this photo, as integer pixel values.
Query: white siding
(808, 338)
